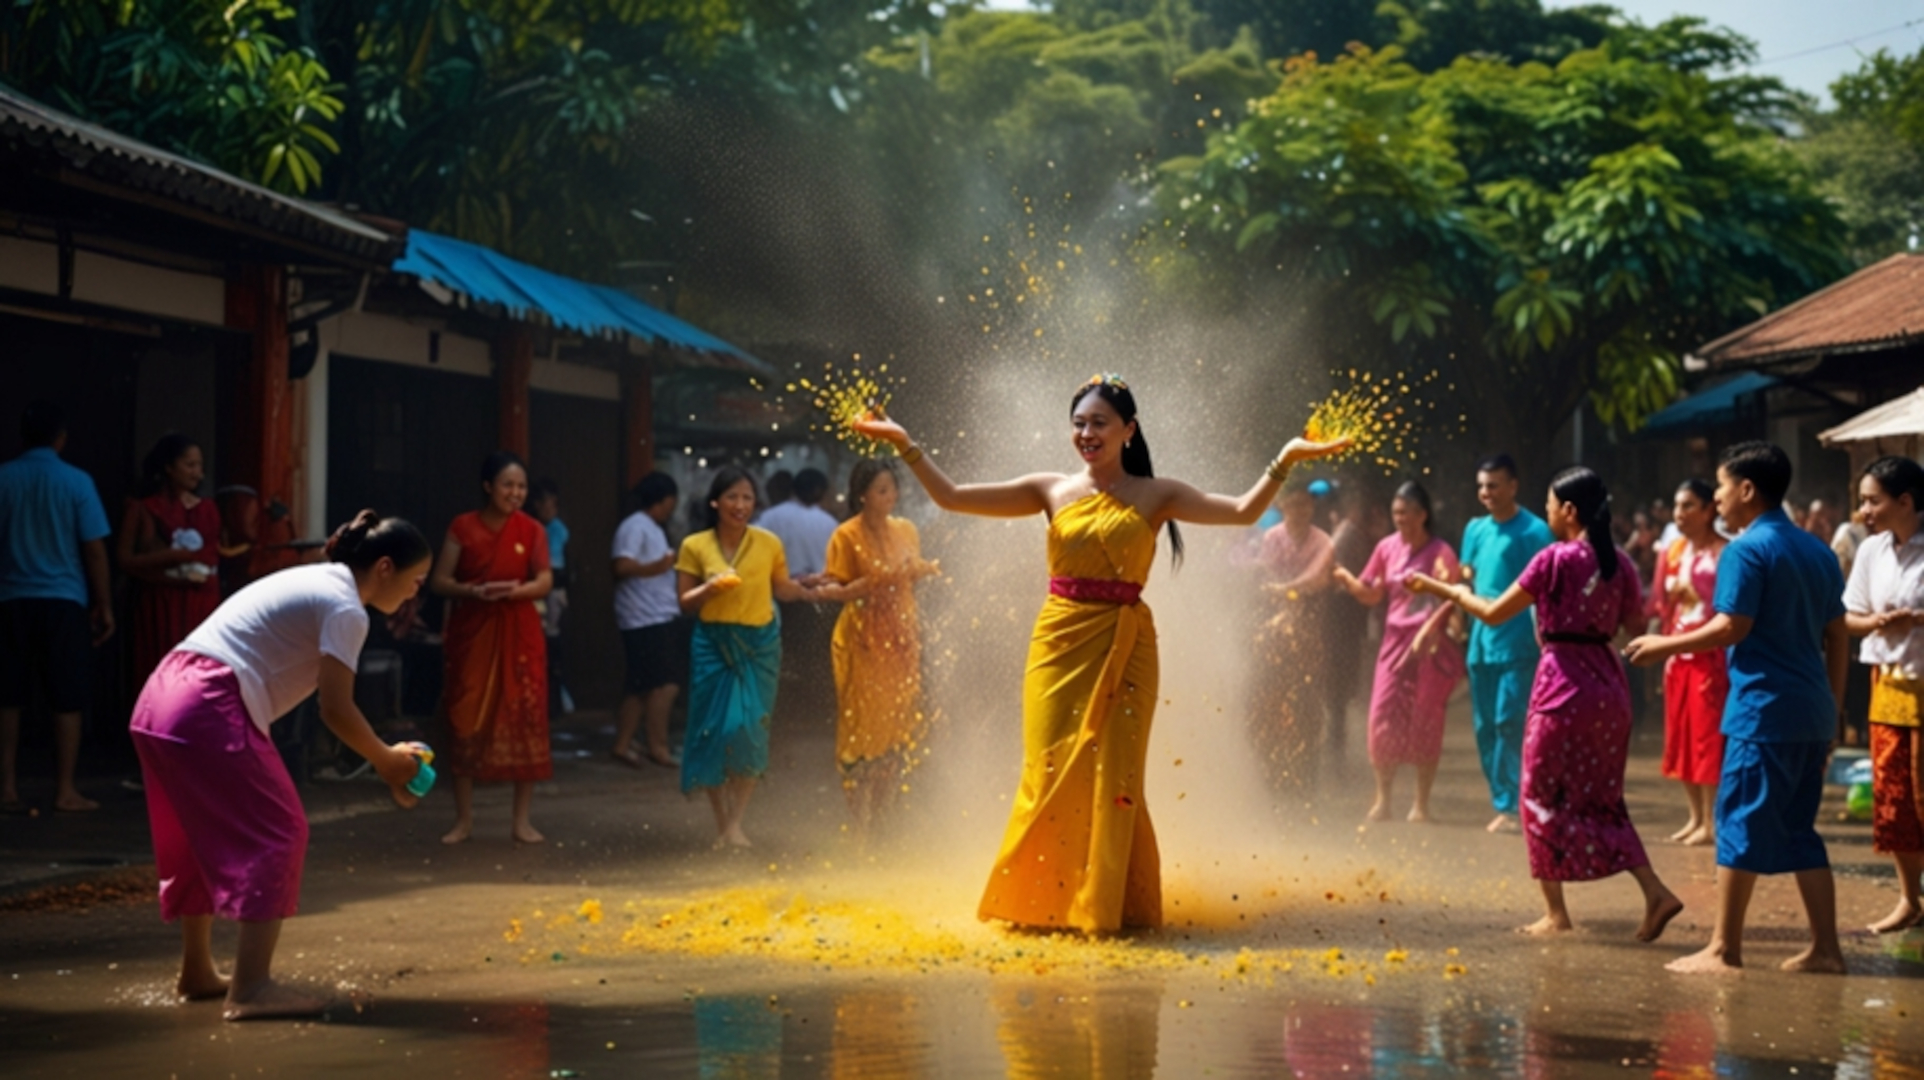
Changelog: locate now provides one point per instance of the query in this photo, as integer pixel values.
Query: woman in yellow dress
(1079, 852)
(874, 561)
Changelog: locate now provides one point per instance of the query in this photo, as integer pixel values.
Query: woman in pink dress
(1694, 684)
(1577, 738)
(1418, 664)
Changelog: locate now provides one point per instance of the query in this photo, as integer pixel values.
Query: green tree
(1537, 233)
(216, 82)
(1868, 154)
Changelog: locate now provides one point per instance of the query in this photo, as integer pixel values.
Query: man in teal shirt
(1503, 659)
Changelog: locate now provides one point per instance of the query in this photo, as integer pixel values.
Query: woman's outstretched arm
(1177, 501)
(1020, 497)
(1491, 610)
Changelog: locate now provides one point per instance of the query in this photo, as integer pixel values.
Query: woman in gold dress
(874, 560)
(1079, 852)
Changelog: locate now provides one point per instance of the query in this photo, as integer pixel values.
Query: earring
(1128, 443)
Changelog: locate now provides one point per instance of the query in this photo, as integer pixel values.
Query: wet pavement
(1298, 943)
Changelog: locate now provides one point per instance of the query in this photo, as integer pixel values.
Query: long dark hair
(866, 472)
(166, 450)
(725, 479)
(1586, 491)
(497, 463)
(369, 538)
(1135, 450)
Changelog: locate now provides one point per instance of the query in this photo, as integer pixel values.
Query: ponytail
(1135, 450)
(1584, 489)
(369, 538)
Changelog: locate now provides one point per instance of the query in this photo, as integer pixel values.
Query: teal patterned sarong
(734, 670)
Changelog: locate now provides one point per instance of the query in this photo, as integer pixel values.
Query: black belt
(1562, 638)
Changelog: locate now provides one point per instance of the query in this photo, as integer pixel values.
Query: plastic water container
(423, 781)
(1842, 761)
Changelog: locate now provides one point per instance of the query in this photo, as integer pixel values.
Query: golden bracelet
(1277, 470)
(912, 455)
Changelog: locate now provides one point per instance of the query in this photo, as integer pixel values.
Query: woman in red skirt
(492, 568)
(168, 546)
(1694, 684)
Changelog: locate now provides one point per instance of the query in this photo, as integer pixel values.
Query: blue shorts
(1767, 802)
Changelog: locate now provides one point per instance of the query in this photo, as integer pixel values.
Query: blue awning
(485, 276)
(1721, 404)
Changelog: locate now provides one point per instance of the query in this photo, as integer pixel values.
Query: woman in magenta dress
(1694, 684)
(168, 547)
(492, 569)
(1418, 663)
(1577, 739)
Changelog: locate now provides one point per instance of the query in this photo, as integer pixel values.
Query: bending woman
(1079, 851)
(732, 573)
(874, 561)
(1417, 664)
(493, 567)
(1577, 738)
(230, 835)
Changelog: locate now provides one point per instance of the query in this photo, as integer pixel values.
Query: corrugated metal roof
(1879, 307)
(482, 275)
(112, 158)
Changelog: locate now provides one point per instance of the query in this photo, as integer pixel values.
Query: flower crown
(1107, 378)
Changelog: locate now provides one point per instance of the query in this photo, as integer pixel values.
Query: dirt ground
(1298, 942)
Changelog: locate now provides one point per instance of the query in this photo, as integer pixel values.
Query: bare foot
(1378, 812)
(736, 838)
(1701, 838)
(74, 803)
(1710, 960)
(204, 987)
(1419, 815)
(1503, 823)
(1657, 915)
(1902, 917)
(1688, 828)
(1811, 962)
(524, 833)
(1549, 924)
(459, 834)
(272, 1001)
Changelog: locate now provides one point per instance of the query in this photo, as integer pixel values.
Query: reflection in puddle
(1070, 1030)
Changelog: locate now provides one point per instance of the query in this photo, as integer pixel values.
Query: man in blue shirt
(53, 584)
(1780, 612)
(1503, 658)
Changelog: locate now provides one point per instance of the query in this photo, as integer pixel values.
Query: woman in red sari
(492, 569)
(168, 547)
(1694, 684)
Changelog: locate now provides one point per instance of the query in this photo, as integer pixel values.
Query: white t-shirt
(644, 601)
(804, 532)
(274, 632)
(1886, 577)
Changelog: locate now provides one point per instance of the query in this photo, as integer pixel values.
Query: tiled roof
(91, 153)
(1879, 307)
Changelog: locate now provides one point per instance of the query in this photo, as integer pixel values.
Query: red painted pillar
(257, 303)
(638, 420)
(513, 364)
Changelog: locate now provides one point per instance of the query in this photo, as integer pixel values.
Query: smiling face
(508, 490)
(1879, 511)
(1736, 500)
(1099, 431)
(1496, 490)
(1410, 518)
(186, 471)
(1694, 517)
(737, 504)
(881, 495)
(394, 586)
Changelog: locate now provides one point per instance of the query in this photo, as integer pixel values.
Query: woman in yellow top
(1079, 851)
(732, 573)
(874, 561)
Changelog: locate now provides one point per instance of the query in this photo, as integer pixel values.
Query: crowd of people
(1749, 614)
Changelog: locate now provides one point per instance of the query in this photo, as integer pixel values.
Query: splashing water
(843, 396)
(1379, 415)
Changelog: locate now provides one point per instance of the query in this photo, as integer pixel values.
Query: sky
(1806, 43)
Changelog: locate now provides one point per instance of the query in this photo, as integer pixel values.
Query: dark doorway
(577, 442)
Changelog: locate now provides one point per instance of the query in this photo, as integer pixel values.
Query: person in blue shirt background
(1502, 658)
(54, 603)
(1780, 612)
(544, 503)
